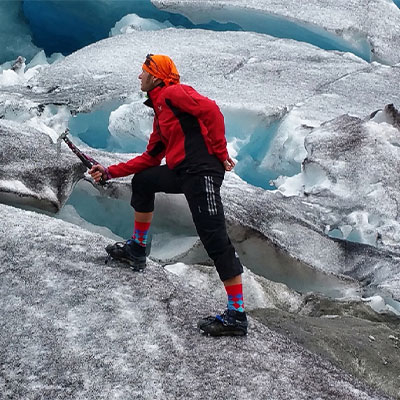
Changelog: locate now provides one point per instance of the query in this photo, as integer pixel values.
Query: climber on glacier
(189, 131)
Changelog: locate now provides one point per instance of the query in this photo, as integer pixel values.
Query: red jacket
(188, 130)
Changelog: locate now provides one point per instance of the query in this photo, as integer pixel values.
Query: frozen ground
(76, 328)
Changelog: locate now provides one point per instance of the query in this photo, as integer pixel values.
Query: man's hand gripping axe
(86, 160)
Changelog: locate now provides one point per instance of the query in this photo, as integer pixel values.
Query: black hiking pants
(203, 196)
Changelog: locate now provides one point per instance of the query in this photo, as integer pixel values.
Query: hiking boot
(129, 252)
(230, 323)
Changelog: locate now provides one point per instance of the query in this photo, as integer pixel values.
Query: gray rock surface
(347, 334)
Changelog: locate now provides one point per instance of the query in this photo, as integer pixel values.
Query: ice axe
(87, 161)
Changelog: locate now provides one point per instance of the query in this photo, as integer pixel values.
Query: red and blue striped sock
(235, 297)
(140, 231)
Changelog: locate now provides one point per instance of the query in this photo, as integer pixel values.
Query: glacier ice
(365, 188)
(83, 328)
(330, 85)
(132, 22)
(33, 173)
(259, 20)
(15, 33)
(29, 24)
(292, 110)
(356, 22)
(66, 26)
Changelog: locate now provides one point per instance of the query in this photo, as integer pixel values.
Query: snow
(84, 329)
(13, 76)
(355, 22)
(369, 197)
(16, 186)
(10, 78)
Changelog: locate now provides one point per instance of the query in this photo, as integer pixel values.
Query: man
(189, 131)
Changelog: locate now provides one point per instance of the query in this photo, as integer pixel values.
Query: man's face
(148, 81)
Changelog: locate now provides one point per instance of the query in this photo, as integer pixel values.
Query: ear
(156, 81)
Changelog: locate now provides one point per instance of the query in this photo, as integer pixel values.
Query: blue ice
(251, 133)
(64, 27)
(92, 129)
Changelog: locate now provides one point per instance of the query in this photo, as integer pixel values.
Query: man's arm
(153, 155)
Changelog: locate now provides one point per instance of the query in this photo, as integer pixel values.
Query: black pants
(203, 196)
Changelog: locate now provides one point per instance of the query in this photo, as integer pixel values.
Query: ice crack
(238, 66)
(322, 89)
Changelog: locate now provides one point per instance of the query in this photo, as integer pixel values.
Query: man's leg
(141, 227)
(236, 280)
(144, 186)
(234, 290)
(144, 217)
(203, 196)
